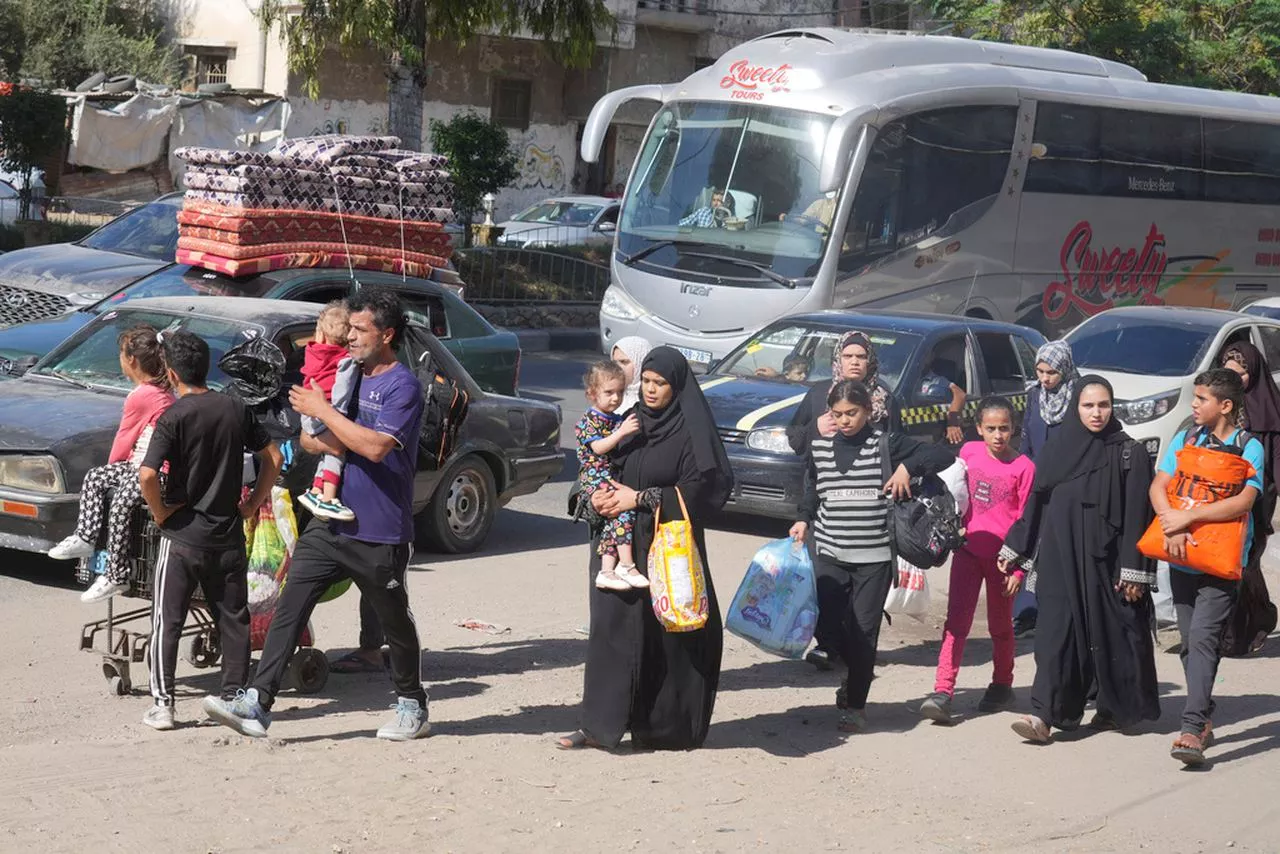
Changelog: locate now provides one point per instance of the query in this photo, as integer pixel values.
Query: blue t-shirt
(381, 494)
(935, 387)
(1253, 454)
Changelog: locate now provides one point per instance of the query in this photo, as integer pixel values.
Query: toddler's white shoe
(633, 576)
(607, 579)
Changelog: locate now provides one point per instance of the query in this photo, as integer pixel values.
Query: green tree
(32, 125)
(481, 160)
(13, 41)
(402, 29)
(66, 41)
(1223, 44)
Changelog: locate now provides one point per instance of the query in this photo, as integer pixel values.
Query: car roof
(581, 200)
(920, 322)
(269, 314)
(1215, 317)
(278, 277)
(1265, 302)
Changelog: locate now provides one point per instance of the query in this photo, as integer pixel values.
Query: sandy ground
(79, 770)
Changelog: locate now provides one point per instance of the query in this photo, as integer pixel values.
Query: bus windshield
(729, 192)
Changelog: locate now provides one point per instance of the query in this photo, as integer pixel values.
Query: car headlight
(617, 304)
(33, 473)
(771, 439)
(1146, 409)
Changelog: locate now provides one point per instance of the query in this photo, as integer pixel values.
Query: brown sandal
(576, 741)
(1188, 748)
(1032, 729)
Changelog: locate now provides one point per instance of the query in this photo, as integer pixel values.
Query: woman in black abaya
(1254, 616)
(1088, 509)
(659, 685)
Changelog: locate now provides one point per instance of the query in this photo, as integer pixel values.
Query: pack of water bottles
(776, 606)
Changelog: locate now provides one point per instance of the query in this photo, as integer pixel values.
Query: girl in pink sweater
(142, 362)
(999, 482)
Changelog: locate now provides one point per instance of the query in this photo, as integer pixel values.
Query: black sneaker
(1024, 627)
(937, 708)
(998, 698)
(821, 659)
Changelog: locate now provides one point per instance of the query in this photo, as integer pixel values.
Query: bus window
(1082, 150)
(1242, 163)
(928, 174)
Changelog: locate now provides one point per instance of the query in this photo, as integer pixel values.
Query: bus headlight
(35, 473)
(771, 439)
(617, 304)
(1146, 409)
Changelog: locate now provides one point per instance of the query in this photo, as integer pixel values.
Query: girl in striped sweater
(847, 501)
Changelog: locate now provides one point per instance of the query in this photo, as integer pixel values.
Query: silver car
(562, 221)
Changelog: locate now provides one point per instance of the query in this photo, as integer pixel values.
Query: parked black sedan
(753, 402)
(60, 417)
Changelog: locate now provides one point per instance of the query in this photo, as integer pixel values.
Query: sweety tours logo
(749, 82)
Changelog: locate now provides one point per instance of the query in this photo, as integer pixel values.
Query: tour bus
(821, 168)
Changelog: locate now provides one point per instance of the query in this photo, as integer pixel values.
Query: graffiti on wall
(541, 168)
(374, 122)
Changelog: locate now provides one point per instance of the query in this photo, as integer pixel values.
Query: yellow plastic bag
(677, 584)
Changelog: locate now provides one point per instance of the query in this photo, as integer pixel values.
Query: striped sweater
(844, 491)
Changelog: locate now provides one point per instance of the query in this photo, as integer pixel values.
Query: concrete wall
(257, 61)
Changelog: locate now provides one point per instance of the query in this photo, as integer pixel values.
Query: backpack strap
(1126, 455)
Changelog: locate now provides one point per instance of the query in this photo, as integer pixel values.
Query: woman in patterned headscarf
(630, 353)
(853, 358)
(1048, 400)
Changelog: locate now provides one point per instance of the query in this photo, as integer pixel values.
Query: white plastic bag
(911, 597)
(776, 606)
(956, 478)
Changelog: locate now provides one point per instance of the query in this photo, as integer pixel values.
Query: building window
(210, 65)
(511, 103)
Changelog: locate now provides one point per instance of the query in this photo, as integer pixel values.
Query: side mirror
(606, 227)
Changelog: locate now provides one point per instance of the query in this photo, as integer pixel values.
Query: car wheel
(461, 512)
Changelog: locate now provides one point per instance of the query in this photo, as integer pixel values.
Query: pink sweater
(142, 407)
(997, 493)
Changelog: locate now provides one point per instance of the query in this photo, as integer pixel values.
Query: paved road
(81, 773)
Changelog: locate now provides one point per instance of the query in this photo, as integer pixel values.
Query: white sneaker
(159, 717)
(72, 548)
(633, 576)
(607, 579)
(101, 590)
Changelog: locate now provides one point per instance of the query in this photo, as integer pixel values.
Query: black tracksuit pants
(378, 569)
(221, 575)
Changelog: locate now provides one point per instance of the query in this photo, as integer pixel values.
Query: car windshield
(720, 188)
(799, 352)
(559, 213)
(150, 231)
(184, 282)
(1271, 311)
(1144, 347)
(92, 355)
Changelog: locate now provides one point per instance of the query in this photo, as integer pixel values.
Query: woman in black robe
(1088, 509)
(1254, 616)
(659, 685)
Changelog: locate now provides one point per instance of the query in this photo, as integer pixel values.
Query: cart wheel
(118, 682)
(309, 670)
(202, 650)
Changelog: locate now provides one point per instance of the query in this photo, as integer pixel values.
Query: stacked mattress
(320, 201)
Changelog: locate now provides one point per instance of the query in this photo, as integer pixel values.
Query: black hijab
(1261, 398)
(1073, 449)
(687, 419)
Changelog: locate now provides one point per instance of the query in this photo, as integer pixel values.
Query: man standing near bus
(381, 446)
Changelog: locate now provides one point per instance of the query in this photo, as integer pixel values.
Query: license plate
(693, 355)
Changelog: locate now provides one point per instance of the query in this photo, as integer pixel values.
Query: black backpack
(444, 407)
(926, 528)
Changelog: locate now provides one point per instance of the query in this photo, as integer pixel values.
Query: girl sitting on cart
(143, 363)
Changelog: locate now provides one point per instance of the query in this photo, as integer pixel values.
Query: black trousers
(378, 569)
(222, 577)
(1203, 604)
(850, 609)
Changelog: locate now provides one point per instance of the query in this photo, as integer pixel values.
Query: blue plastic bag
(776, 606)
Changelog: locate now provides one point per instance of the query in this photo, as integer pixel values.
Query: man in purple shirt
(381, 447)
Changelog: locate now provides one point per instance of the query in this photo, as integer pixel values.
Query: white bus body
(962, 177)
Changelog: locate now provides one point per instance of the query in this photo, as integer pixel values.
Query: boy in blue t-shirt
(1204, 602)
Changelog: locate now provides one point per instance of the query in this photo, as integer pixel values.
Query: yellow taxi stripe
(717, 381)
(752, 418)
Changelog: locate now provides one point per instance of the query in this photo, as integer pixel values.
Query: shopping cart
(123, 636)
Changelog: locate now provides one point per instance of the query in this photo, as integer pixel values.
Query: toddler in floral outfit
(599, 433)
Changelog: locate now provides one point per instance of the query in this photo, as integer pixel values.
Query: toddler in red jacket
(331, 367)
